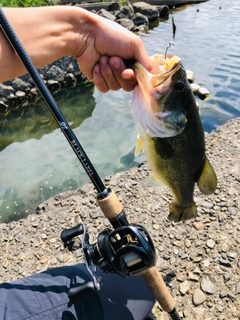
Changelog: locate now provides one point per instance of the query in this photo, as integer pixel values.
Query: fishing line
(174, 29)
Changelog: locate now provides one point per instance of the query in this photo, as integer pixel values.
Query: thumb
(143, 58)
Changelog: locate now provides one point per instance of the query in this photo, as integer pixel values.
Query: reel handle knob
(83, 291)
(68, 234)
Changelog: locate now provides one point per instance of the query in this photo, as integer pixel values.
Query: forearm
(47, 35)
(99, 45)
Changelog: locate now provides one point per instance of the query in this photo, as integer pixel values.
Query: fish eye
(179, 86)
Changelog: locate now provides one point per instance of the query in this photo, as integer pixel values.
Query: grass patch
(25, 3)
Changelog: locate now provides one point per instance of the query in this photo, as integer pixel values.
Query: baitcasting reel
(127, 251)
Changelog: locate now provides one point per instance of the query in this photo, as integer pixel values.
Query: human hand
(106, 46)
(100, 46)
(111, 73)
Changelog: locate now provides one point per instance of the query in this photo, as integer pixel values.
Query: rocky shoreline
(65, 72)
(199, 260)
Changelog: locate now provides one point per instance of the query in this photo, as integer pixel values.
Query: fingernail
(96, 68)
(127, 76)
(115, 62)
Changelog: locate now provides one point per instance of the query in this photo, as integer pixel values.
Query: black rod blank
(50, 102)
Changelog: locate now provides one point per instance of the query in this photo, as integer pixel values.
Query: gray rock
(126, 23)
(114, 6)
(206, 204)
(151, 12)
(198, 225)
(20, 95)
(208, 286)
(19, 84)
(108, 15)
(198, 297)
(3, 105)
(210, 243)
(224, 247)
(192, 276)
(224, 262)
(125, 12)
(53, 85)
(237, 289)
(163, 10)
(140, 19)
(184, 287)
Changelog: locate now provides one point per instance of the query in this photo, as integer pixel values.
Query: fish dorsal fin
(207, 183)
(139, 146)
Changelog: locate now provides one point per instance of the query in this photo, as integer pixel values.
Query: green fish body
(176, 151)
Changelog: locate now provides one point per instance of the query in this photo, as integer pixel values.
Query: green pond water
(36, 161)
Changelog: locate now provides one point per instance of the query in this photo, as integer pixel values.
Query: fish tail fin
(207, 182)
(182, 213)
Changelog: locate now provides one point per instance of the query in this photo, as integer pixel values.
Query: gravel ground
(199, 260)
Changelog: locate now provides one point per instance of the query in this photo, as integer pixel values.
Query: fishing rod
(142, 257)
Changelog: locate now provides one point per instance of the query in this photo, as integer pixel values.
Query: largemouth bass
(171, 134)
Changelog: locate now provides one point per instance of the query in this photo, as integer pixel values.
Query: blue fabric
(44, 296)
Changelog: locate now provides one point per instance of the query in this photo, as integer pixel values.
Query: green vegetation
(25, 3)
(123, 2)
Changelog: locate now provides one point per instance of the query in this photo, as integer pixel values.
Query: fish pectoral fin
(154, 182)
(207, 183)
(139, 146)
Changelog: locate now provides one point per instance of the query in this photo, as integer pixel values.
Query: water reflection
(32, 120)
(35, 161)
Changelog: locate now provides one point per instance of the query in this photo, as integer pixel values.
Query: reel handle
(84, 291)
(68, 234)
(112, 209)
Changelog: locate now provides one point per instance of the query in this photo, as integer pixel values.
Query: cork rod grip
(110, 206)
(155, 282)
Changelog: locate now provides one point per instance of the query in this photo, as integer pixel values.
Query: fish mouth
(155, 120)
(173, 120)
(161, 78)
(151, 83)
(167, 67)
